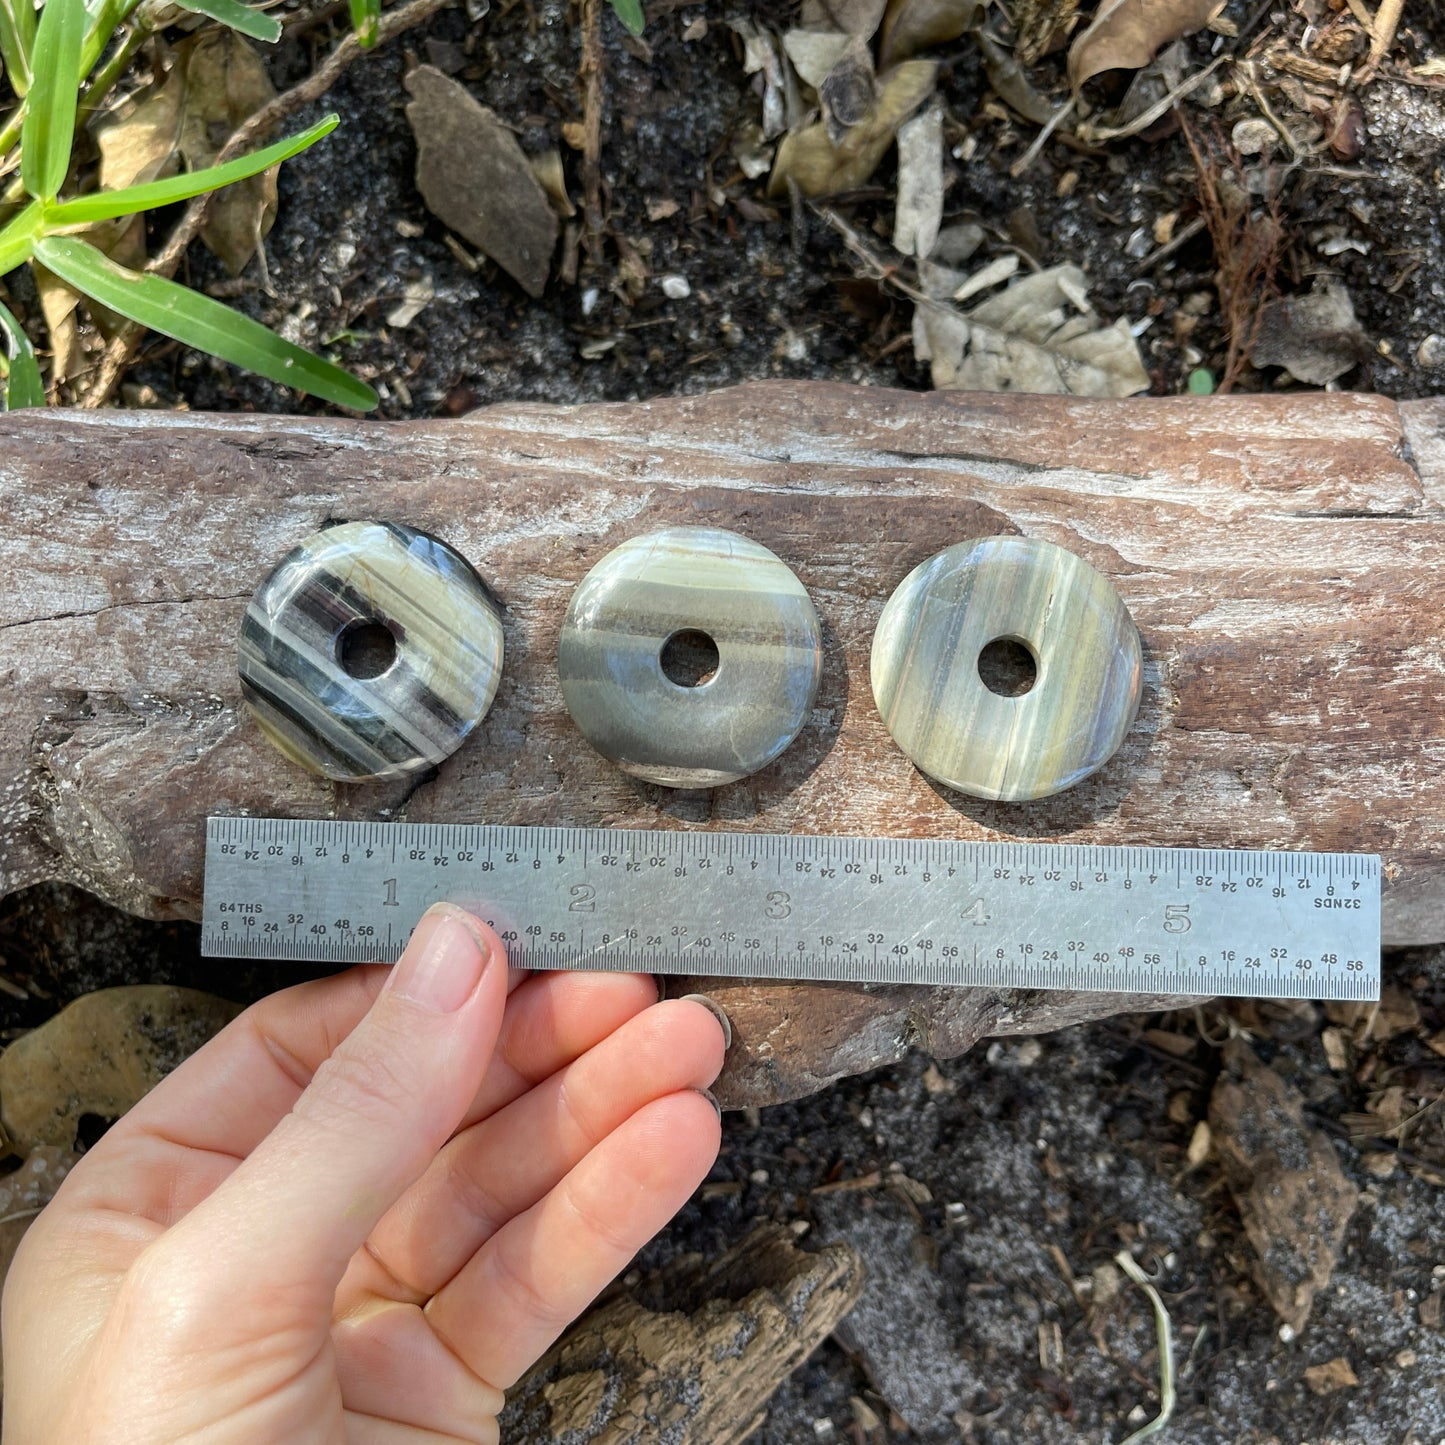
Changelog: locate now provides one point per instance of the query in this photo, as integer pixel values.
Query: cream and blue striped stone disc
(680, 580)
(925, 668)
(443, 619)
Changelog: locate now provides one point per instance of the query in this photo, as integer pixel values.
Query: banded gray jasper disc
(736, 608)
(1082, 642)
(371, 651)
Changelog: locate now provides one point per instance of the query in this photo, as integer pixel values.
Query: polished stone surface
(690, 580)
(298, 661)
(1083, 642)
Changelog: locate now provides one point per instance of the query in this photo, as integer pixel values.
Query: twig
(880, 270)
(1041, 139)
(119, 354)
(590, 75)
(1164, 1334)
(1387, 22)
(1093, 134)
(1182, 236)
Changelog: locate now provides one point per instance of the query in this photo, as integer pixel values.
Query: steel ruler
(877, 910)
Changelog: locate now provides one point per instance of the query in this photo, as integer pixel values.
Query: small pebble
(1251, 137)
(1139, 244)
(1431, 351)
(675, 287)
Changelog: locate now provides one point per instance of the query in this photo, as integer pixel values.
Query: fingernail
(712, 1099)
(715, 1009)
(443, 963)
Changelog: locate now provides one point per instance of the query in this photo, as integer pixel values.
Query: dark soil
(1004, 1172)
(782, 297)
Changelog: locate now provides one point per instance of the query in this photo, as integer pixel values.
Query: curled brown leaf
(1127, 34)
(818, 167)
(913, 25)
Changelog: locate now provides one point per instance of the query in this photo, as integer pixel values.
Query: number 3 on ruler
(779, 904)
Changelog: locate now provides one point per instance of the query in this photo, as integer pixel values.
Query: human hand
(364, 1209)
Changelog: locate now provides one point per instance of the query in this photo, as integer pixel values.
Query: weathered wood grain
(692, 1355)
(1279, 555)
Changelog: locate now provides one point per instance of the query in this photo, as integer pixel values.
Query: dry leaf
(820, 168)
(1316, 337)
(761, 56)
(913, 25)
(226, 84)
(1126, 34)
(850, 17)
(920, 183)
(547, 167)
(140, 145)
(1326, 1379)
(1038, 335)
(57, 305)
(849, 91)
(99, 1056)
(476, 180)
(815, 52)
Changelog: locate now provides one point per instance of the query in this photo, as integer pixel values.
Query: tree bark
(1279, 555)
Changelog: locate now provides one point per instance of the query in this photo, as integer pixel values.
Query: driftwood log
(1280, 555)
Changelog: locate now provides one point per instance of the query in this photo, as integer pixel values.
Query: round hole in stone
(365, 649)
(1008, 667)
(689, 658)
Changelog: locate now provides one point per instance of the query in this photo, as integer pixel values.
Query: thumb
(364, 1129)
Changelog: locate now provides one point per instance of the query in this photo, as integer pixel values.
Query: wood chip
(1200, 1143)
(1286, 1178)
(1328, 1378)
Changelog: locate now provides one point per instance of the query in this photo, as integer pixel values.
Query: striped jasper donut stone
(1083, 642)
(348, 581)
(679, 581)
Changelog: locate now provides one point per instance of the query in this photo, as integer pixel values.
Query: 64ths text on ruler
(887, 910)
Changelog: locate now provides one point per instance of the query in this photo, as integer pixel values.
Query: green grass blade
(364, 17)
(17, 240)
(49, 126)
(629, 12)
(103, 205)
(25, 388)
(196, 320)
(245, 18)
(17, 41)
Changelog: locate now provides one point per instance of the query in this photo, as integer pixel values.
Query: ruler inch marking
(817, 913)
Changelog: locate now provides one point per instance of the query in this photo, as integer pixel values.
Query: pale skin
(363, 1210)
